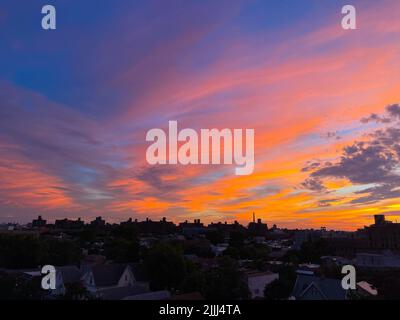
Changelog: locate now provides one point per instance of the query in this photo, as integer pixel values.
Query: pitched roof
(139, 272)
(256, 273)
(155, 295)
(192, 296)
(330, 289)
(70, 274)
(108, 274)
(120, 293)
(367, 287)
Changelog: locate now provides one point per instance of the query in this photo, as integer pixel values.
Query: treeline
(29, 251)
(168, 269)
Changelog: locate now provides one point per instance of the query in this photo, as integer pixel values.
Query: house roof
(35, 273)
(256, 273)
(30, 272)
(330, 289)
(119, 293)
(155, 295)
(367, 287)
(139, 272)
(108, 274)
(70, 274)
(192, 296)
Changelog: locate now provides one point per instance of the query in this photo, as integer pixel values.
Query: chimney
(254, 217)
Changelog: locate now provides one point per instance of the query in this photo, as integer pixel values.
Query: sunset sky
(76, 104)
